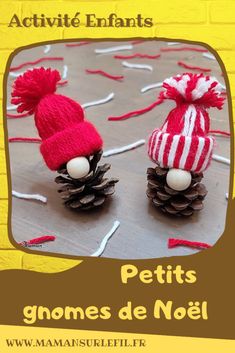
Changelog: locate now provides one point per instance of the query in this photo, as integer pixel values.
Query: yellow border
(209, 22)
(153, 343)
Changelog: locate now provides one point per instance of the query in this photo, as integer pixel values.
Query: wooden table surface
(144, 230)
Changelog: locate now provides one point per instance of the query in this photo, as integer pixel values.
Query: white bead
(178, 179)
(78, 167)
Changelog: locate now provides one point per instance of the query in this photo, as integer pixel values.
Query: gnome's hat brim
(78, 140)
(192, 153)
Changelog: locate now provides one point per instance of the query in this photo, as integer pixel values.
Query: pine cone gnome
(182, 148)
(70, 144)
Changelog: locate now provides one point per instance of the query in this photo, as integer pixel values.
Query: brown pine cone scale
(90, 191)
(179, 203)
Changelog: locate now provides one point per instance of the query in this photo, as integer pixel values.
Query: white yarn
(206, 160)
(148, 87)
(137, 66)
(226, 195)
(222, 86)
(174, 145)
(47, 48)
(209, 56)
(123, 148)
(113, 49)
(203, 85)
(189, 120)
(200, 147)
(98, 102)
(11, 107)
(180, 85)
(185, 153)
(105, 240)
(221, 159)
(172, 43)
(65, 71)
(36, 197)
(15, 74)
(162, 148)
(202, 121)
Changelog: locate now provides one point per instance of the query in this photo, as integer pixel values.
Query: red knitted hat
(59, 120)
(183, 142)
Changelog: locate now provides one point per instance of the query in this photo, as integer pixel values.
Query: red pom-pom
(193, 89)
(32, 86)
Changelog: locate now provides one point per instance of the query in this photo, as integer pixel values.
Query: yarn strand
(221, 159)
(47, 48)
(138, 41)
(36, 197)
(18, 116)
(24, 139)
(220, 132)
(113, 49)
(136, 112)
(49, 58)
(122, 149)
(152, 86)
(209, 56)
(137, 66)
(103, 73)
(186, 66)
(137, 55)
(62, 83)
(98, 102)
(184, 49)
(70, 45)
(172, 243)
(39, 240)
(105, 240)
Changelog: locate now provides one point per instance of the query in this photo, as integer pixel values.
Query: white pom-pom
(78, 167)
(178, 179)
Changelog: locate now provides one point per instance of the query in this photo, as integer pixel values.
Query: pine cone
(90, 191)
(179, 203)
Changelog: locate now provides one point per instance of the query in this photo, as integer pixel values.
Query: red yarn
(24, 139)
(184, 49)
(103, 73)
(135, 112)
(62, 83)
(137, 55)
(76, 44)
(32, 86)
(59, 120)
(220, 132)
(172, 243)
(40, 240)
(138, 41)
(46, 58)
(186, 66)
(17, 116)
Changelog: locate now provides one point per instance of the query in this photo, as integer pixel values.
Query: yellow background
(208, 21)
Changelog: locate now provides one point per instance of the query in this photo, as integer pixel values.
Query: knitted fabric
(183, 141)
(59, 120)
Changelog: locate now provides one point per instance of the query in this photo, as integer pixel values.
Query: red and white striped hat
(183, 142)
